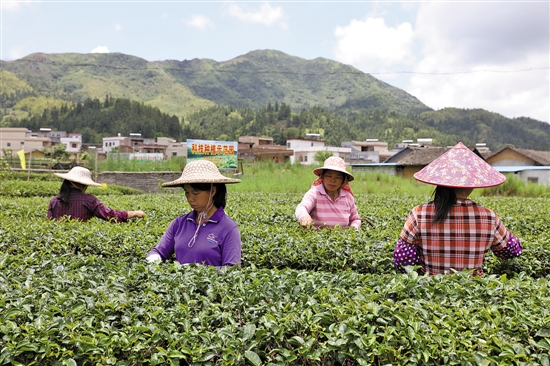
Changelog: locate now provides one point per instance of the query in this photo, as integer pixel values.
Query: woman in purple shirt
(206, 234)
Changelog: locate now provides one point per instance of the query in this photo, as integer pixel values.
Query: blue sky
(493, 55)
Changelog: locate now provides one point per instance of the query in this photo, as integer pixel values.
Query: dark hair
(444, 200)
(66, 189)
(221, 192)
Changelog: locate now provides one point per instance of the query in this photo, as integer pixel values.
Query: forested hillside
(96, 119)
(184, 87)
(264, 93)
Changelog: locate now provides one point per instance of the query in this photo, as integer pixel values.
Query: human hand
(306, 221)
(138, 213)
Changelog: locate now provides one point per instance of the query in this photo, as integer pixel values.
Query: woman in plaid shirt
(453, 232)
(73, 202)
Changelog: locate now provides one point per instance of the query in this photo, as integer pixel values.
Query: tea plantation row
(81, 293)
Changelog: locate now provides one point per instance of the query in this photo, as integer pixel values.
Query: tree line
(96, 119)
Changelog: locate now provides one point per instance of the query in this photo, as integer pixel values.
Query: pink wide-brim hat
(460, 168)
(334, 163)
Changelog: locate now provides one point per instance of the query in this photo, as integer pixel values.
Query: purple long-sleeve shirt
(83, 207)
(218, 241)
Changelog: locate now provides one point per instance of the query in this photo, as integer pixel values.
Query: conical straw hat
(200, 171)
(460, 168)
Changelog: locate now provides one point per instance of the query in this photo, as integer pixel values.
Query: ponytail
(444, 200)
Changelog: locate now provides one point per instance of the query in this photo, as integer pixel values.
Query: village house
(530, 165)
(73, 142)
(304, 150)
(254, 148)
(54, 136)
(368, 151)
(134, 147)
(173, 148)
(411, 158)
(15, 139)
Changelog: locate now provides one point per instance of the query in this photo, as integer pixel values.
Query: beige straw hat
(80, 175)
(334, 163)
(200, 171)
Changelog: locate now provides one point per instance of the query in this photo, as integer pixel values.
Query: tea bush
(75, 293)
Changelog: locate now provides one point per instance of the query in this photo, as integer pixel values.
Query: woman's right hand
(306, 221)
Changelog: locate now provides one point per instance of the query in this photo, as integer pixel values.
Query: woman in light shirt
(330, 201)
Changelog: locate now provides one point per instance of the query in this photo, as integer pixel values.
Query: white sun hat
(80, 175)
(200, 171)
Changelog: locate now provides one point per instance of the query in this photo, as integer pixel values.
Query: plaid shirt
(83, 207)
(460, 242)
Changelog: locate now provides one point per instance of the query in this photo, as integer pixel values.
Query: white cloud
(200, 22)
(14, 5)
(118, 27)
(15, 53)
(100, 49)
(371, 45)
(266, 14)
(480, 39)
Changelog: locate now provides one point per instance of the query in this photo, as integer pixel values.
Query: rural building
(13, 140)
(256, 148)
(73, 142)
(369, 151)
(55, 136)
(410, 159)
(304, 149)
(530, 165)
(132, 144)
(514, 156)
(413, 158)
(173, 148)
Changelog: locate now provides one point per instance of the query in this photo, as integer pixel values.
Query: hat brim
(458, 185)
(319, 171)
(86, 182)
(181, 182)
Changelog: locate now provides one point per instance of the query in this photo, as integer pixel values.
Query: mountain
(250, 94)
(183, 87)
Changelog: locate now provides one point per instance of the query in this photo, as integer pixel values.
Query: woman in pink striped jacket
(330, 201)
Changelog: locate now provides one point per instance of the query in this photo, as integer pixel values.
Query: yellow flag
(21, 154)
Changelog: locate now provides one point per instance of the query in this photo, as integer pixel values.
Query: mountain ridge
(248, 80)
(358, 105)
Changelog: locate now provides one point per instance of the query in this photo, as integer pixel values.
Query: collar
(215, 218)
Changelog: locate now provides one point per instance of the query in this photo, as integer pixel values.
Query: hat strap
(81, 189)
(201, 216)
